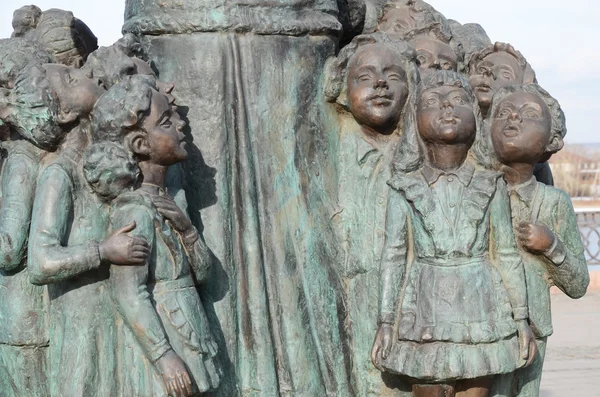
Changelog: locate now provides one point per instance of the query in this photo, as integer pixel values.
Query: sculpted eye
(481, 70)
(421, 59)
(431, 102)
(458, 100)
(530, 114)
(507, 75)
(394, 77)
(504, 113)
(364, 77)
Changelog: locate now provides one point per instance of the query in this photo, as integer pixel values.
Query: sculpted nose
(446, 104)
(515, 117)
(381, 83)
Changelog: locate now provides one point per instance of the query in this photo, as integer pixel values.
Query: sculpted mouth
(511, 131)
(484, 88)
(448, 120)
(381, 100)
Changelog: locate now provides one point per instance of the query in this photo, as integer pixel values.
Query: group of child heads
(382, 79)
(112, 96)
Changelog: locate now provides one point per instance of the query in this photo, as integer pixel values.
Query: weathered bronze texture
(339, 198)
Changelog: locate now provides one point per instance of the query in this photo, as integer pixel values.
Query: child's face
(495, 71)
(377, 87)
(164, 129)
(445, 115)
(521, 128)
(77, 92)
(433, 54)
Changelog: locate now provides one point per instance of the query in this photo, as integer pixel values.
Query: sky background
(561, 40)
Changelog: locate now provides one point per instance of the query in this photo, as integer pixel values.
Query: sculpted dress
(459, 294)
(158, 303)
(23, 306)
(259, 177)
(67, 225)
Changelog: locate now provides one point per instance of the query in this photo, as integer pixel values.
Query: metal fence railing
(589, 227)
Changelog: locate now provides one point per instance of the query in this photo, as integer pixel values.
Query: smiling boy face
(521, 128)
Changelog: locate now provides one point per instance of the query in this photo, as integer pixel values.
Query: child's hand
(175, 375)
(167, 207)
(536, 239)
(527, 344)
(382, 344)
(122, 249)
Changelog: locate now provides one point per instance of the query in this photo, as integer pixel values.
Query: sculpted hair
(36, 109)
(474, 58)
(122, 108)
(66, 37)
(410, 154)
(111, 64)
(109, 169)
(15, 54)
(337, 68)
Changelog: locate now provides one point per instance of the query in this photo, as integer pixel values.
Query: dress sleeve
(18, 191)
(394, 256)
(506, 254)
(129, 289)
(50, 259)
(198, 254)
(568, 268)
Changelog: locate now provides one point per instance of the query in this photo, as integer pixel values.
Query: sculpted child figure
(68, 243)
(158, 301)
(463, 306)
(377, 79)
(527, 126)
(23, 307)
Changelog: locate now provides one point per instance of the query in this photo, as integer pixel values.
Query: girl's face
(445, 115)
(77, 92)
(164, 131)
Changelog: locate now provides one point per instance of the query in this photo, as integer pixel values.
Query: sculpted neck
(77, 137)
(447, 157)
(153, 173)
(517, 173)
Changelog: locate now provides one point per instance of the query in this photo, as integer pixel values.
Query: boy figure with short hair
(527, 126)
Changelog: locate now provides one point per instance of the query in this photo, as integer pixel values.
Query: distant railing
(589, 227)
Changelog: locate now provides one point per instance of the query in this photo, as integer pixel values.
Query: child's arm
(18, 191)
(570, 271)
(198, 254)
(50, 259)
(394, 256)
(128, 286)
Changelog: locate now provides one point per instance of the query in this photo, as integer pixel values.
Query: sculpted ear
(529, 75)
(66, 117)
(138, 144)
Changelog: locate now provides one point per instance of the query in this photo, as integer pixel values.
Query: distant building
(576, 170)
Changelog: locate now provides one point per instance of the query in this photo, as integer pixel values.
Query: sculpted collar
(525, 190)
(464, 173)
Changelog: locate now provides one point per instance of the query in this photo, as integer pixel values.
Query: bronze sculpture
(246, 235)
(458, 293)
(528, 126)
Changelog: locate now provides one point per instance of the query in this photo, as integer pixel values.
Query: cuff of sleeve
(386, 318)
(521, 313)
(190, 237)
(93, 258)
(159, 350)
(557, 253)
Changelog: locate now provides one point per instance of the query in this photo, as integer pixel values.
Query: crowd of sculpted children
(446, 214)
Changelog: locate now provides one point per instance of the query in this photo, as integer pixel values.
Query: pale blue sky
(561, 39)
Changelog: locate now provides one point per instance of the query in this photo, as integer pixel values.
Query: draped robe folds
(258, 176)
